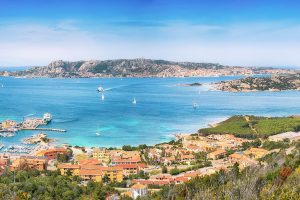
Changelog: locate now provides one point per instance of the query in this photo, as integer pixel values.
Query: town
(138, 171)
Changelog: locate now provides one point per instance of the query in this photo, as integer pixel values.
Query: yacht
(100, 89)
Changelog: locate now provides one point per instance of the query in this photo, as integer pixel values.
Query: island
(189, 84)
(138, 68)
(270, 83)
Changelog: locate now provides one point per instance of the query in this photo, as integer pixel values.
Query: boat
(97, 134)
(134, 101)
(100, 89)
(102, 97)
(47, 117)
(195, 105)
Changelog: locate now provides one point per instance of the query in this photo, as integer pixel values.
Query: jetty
(45, 129)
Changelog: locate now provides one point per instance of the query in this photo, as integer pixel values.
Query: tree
(164, 170)
(105, 178)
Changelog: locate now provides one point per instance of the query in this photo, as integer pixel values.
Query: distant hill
(135, 68)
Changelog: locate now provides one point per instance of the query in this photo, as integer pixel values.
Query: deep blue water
(162, 108)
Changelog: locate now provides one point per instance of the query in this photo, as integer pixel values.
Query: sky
(230, 32)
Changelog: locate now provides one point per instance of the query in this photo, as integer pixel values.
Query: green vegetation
(49, 185)
(277, 83)
(280, 179)
(133, 148)
(253, 127)
(176, 171)
(269, 145)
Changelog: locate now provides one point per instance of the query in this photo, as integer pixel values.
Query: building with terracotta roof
(216, 154)
(91, 174)
(29, 162)
(242, 160)
(89, 161)
(256, 152)
(138, 190)
(101, 154)
(131, 169)
(51, 153)
(65, 168)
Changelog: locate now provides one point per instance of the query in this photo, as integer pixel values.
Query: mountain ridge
(138, 67)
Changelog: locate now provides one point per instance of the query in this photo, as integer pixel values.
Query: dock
(45, 129)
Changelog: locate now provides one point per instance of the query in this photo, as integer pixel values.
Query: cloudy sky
(233, 32)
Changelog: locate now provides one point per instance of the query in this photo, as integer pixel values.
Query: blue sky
(233, 32)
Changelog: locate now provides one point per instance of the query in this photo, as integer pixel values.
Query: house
(186, 158)
(256, 153)
(101, 154)
(113, 173)
(51, 153)
(219, 153)
(89, 161)
(138, 190)
(181, 179)
(131, 169)
(242, 160)
(65, 168)
(91, 174)
(29, 162)
(168, 160)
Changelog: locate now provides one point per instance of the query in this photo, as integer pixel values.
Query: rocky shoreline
(254, 84)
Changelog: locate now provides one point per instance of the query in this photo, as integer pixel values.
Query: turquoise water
(162, 108)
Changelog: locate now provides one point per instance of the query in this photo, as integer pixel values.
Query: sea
(163, 107)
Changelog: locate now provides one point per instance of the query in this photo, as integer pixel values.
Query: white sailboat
(134, 101)
(102, 97)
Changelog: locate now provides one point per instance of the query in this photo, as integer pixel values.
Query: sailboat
(134, 101)
(102, 97)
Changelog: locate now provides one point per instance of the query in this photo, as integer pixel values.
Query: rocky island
(137, 68)
(251, 84)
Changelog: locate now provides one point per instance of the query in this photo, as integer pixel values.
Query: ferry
(47, 117)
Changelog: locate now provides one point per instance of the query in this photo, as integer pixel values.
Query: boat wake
(29, 115)
(65, 120)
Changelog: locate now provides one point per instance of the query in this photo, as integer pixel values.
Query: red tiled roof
(86, 172)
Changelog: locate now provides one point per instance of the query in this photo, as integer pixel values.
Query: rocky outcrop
(251, 84)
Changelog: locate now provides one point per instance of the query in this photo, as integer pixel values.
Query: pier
(45, 129)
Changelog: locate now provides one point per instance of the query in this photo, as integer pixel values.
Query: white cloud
(264, 44)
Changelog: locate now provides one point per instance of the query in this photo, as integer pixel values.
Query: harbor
(8, 128)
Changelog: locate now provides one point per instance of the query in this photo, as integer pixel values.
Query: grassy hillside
(252, 126)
